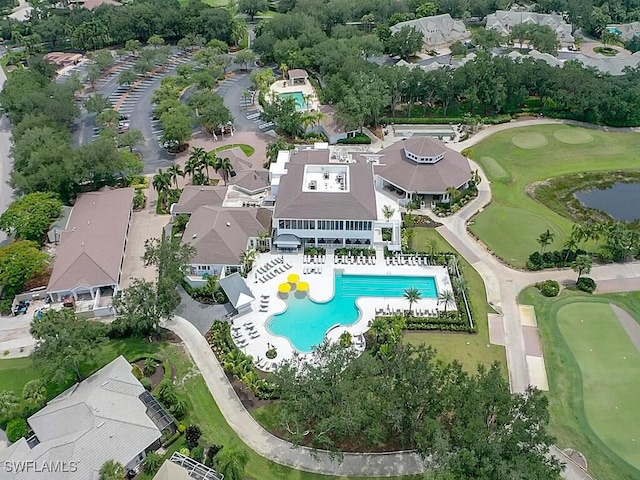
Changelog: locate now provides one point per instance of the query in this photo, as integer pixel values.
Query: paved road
(6, 162)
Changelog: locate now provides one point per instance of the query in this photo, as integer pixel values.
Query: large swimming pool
(305, 322)
(301, 103)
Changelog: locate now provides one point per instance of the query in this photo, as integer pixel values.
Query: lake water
(621, 201)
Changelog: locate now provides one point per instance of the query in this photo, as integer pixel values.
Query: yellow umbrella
(303, 286)
(284, 288)
(293, 278)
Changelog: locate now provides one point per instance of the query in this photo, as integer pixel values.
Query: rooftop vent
(194, 235)
(228, 224)
(100, 424)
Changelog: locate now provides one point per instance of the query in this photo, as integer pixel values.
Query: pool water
(301, 103)
(305, 322)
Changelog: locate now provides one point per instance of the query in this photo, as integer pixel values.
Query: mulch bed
(246, 396)
(157, 376)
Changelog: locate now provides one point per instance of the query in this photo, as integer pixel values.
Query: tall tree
(96, 103)
(19, 262)
(405, 42)
(64, 344)
(139, 310)
(447, 298)
(174, 172)
(162, 184)
(252, 7)
(9, 403)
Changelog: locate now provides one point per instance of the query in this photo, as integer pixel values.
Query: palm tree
(237, 363)
(191, 167)
(198, 154)
(545, 239)
(412, 295)
(226, 168)
(162, 183)
(34, 392)
(387, 212)
(112, 470)
(284, 68)
(571, 244)
(453, 194)
(231, 462)
(174, 171)
(459, 284)
(248, 257)
(9, 402)
(582, 264)
(211, 160)
(318, 117)
(379, 328)
(447, 298)
(307, 120)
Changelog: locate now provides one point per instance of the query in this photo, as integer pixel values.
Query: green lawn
(513, 222)
(467, 348)
(15, 372)
(247, 149)
(585, 348)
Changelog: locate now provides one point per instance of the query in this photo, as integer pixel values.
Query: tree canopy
(64, 344)
(19, 262)
(467, 424)
(29, 217)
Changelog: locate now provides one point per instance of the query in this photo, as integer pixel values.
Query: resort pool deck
(321, 290)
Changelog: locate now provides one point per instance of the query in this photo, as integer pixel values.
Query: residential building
(422, 165)
(88, 261)
(196, 196)
(438, 31)
(503, 22)
(220, 235)
(108, 416)
(626, 31)
(322, 200)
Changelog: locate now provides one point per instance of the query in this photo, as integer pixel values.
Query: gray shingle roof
(94, 421)
(194, 197)
(359, 203)
(437, 30)
(251, 181)
(91, 248)
(236, 289)
(452, 171)
(220, 234)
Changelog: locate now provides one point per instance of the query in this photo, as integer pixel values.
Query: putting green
(529, 140)
(573, 136)
(496, 223)
(610, 367)
(493, 168)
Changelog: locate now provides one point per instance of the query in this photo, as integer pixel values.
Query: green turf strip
(610, 369)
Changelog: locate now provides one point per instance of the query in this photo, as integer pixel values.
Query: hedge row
(359, 139)
(422, 121)
(442, 327)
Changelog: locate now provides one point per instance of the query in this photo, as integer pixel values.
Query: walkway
(274, 448)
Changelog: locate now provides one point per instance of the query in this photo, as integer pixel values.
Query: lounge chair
(319, 270)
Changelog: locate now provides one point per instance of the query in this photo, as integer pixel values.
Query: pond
(621, 201)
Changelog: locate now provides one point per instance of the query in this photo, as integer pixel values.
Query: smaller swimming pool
(301, 103)
(306, 323)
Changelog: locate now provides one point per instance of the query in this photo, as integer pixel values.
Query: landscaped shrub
(548, 288)
(552, 259)
(496, 120)
(172, 439)
(16, 429)
(212, 451)
(153, 462)
(422, 121)
(150, 366)
(137, 371)
(197, 453)
(360, 138)
(586, 284)
(192, 434)
(146, 383)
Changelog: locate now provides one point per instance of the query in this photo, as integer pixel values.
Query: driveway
(200, 315)
(144, 225)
